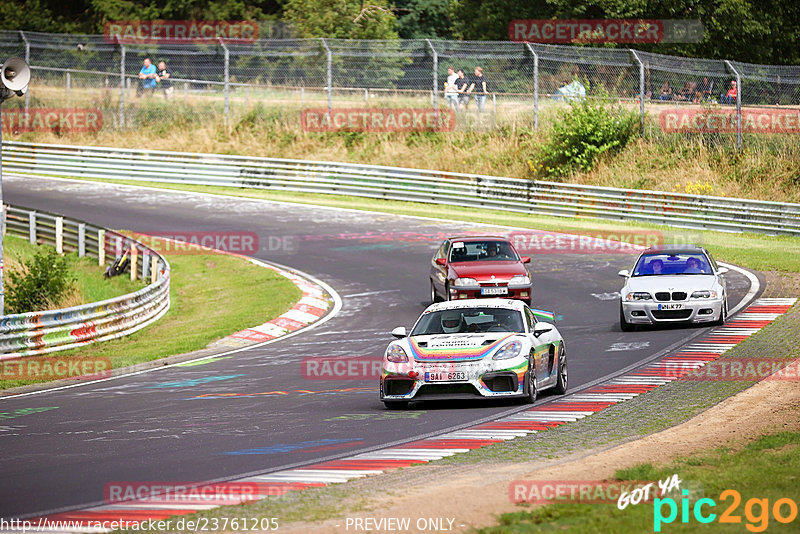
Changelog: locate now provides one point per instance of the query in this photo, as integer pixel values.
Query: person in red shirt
(730, 96)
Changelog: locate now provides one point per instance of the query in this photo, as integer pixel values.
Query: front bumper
(481, 379)
(479, 292)
(692, 311)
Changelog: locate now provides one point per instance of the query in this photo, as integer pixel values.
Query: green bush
(44, 279)
(583, 133)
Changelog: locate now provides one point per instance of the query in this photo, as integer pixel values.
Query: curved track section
(257, 412)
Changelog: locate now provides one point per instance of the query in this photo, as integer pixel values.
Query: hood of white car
(672, 282)
(454, 347)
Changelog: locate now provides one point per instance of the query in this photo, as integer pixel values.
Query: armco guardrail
(510, 194)
(27, 334)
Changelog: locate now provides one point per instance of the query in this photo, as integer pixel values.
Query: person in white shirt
(450, 89)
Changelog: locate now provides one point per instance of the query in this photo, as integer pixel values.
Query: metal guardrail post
(329, 74)
(32, 227)
(153, 269)
(641, 85)
(81, 240)
(435, 78)
(227, 74)
(121, 83)
(60, 235)
(101, 247)
(134, 262)
(535, 86)
(738, 104)
(69, 80)
(28, 61)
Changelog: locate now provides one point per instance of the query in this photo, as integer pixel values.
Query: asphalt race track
(172, 425)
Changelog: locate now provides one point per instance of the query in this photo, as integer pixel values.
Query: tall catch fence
(526, 82)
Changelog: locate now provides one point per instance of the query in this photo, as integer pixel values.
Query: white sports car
(494, 348)
(673, 283)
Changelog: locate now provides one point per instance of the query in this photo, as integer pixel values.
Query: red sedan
(479, 267)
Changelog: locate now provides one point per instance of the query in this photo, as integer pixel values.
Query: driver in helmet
(452, 321)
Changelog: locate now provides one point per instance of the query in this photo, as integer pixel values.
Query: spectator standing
(164, 75)
(478, 86)
(730, 96)
(461, 85)
(450, 89)
(148, 78)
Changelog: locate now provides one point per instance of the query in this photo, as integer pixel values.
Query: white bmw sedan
(673, 284)
(474, 348)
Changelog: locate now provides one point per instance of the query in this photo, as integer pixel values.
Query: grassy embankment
(212, 296)
(760, 471)
(267, 123)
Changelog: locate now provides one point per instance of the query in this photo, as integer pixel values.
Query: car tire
(531, 393)
(528, 302)
(447, 291)
(624, 325)
(723, 315)
(434, 296)
(395, 405)
(562, 382)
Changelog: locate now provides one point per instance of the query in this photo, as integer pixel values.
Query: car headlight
(396, 354)
(509, 350)
(704, 295)
(638, 295)
(461, 282)
(519, 280)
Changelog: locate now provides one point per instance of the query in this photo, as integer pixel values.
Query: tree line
(754, 31)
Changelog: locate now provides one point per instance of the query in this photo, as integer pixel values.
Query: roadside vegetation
(38, 279)
(759, 470)
(211, 296)
(590, 144)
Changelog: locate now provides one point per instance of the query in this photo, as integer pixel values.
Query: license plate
(494, 291)
(445, 376)
(670, 306)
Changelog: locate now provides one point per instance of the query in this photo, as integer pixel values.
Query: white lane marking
(755, 286)
(634, 345)
(606, 296)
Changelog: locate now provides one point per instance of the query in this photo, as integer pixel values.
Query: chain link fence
(526, 83)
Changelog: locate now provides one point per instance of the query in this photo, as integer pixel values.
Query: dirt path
(472, 495)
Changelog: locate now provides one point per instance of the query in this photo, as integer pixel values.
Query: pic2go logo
(756, 511)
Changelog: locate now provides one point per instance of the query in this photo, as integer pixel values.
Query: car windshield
(469, 320)
(490, 250)
(658, 264)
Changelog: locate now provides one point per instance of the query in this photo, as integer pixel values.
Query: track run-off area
(257, 412)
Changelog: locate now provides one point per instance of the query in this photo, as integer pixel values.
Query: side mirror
(399, 332)
(543, 329)
(441, 261)
(526, 259)
(722, 270)
(625, 273)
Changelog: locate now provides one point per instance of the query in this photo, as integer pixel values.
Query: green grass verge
(212, 296)
(90, 284)
(764, 469)
(754, 251)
